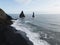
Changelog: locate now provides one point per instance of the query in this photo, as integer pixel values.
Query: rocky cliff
(8, 35)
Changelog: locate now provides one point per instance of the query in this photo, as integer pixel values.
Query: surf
(33, 36)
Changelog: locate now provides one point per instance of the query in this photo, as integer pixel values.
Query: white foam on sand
(34, 37)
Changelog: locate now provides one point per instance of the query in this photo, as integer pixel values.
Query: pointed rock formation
(22, 15)
(33, 15)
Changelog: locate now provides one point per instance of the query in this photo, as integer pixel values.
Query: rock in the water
(22, 15)
(33, 15)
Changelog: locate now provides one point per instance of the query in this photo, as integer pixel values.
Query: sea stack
(22, 15)
(33, 15)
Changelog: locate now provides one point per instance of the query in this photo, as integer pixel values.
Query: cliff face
(4, 18)
(8, 35)
(22, 15)
(2, 14)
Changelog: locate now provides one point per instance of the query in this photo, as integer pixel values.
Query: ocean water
(44, 29)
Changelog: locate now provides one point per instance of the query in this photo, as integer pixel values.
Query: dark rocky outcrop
(22, 15)
(33, 15)
(4, 18)
(9, 17)
(8, 35)
(4, 15)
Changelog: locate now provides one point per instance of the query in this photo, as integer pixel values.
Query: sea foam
(34, 37)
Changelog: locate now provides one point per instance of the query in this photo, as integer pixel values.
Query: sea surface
(43, 29)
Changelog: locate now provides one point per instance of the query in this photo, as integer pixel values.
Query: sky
(29, 6)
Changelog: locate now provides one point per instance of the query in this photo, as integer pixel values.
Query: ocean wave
(34, 37)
